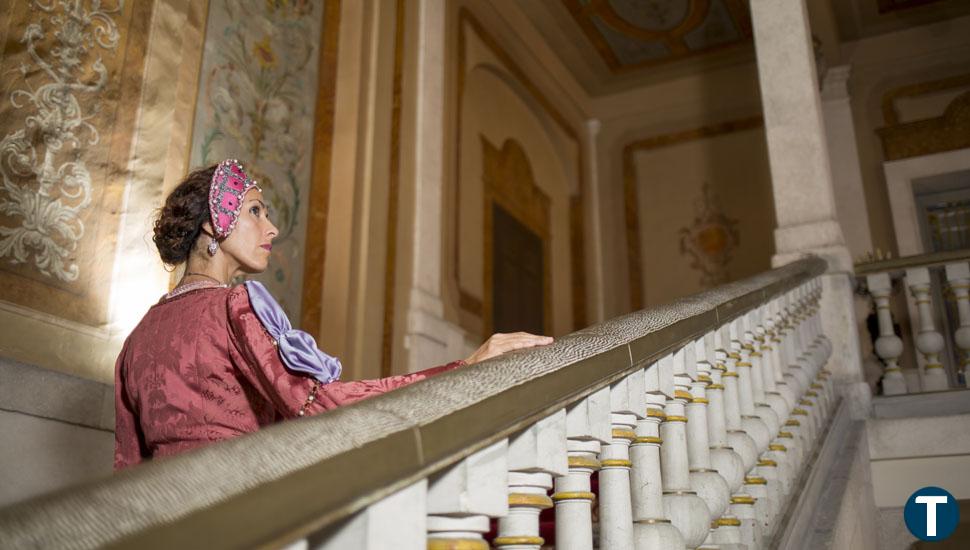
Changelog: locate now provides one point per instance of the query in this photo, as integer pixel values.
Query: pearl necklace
(189, 287)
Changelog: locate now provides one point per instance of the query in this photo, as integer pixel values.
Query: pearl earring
(213, 247)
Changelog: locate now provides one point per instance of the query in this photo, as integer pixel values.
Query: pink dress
(200, 368)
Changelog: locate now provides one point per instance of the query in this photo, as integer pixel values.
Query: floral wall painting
(68, 94)
(256, 103)
(710, 239)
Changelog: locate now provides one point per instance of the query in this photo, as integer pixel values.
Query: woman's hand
(502, 343)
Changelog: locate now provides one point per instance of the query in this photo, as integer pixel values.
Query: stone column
(428, 338)
(801, 176)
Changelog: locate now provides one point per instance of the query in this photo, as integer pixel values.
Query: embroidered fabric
(298, 349)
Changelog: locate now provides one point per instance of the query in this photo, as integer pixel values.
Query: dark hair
(180, 221)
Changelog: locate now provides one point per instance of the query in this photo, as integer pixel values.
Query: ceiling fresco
(630, 34)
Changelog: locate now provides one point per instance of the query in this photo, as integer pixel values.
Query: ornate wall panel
(694, 205)
(258, 101)
(71, 83)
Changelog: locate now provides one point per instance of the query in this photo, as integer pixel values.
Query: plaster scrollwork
(46, 184)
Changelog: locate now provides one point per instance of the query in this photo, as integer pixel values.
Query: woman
(212, 361)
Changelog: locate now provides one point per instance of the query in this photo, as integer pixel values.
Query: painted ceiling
(630, 34)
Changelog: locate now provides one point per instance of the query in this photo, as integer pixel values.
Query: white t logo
(931, 503)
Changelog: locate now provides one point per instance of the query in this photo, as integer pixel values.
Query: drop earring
(213, 247)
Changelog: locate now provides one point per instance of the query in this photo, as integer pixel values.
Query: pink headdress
(229, 185)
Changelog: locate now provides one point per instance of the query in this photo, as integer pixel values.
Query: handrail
(294, 478)
(934, 259)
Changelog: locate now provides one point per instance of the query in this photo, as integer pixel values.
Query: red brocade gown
(200, 368)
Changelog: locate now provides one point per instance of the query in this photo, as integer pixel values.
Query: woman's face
(250, 242)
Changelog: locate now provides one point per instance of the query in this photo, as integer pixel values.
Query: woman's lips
(268, 247)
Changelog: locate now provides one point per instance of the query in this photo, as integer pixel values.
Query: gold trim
(933, 366)
(518, 541)
(314, 255)
(574, 495)
(743, 364)
(715, 387)
(947, 132)
(811, 393)
(701, 400)
(889, 115)
(654, 413)
(393, 182)
(648, 439)
(530, 501)
(754, 354)
(743, 499)
(672, 418)
(767, 462)
(616, 463)
(727, 522)
(704, 378)
(792, 422)
(719, 366)
(681, 394)
(631, 212)
(457, 544)
(777, 447)
(729, 374)
(799, 412)
(755, 480)
(734, 355)
(817, 386)
(584, 462)
(624, 434)
(785, 435)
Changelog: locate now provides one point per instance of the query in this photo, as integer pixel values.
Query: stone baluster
(929, 341)
(751, 323)
(958, 276)
(682, 505)
(738, 439)
(743, 508)
(536, 455)
(588, 426)
(651, 528)
(711, 486)
(757, 487)
(726, 533)
(628, 405)
(783, 399)
(768, 469)
(724, 458)
(463, 498)
(888, 346)
(750, 422)
(395, 521)
(786, 345)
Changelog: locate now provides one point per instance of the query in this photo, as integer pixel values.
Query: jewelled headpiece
(229, 185)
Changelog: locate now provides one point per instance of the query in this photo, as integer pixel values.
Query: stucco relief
(256, 103)
(710, 239)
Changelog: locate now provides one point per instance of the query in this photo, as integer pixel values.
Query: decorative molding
(948, 132)
(393, 182)
(635, 273)
(509, 183)
(466, 301)
(889, 114)
(315, 248)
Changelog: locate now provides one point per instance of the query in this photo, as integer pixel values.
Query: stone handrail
(935, 371)
(296, 478)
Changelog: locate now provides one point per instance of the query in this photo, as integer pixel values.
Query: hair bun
(180, 221)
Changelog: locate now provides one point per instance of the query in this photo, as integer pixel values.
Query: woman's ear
(207, 228)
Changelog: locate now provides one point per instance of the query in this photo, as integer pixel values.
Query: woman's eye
(255, 211)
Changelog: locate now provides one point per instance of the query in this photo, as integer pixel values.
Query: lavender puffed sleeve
(298, 350)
